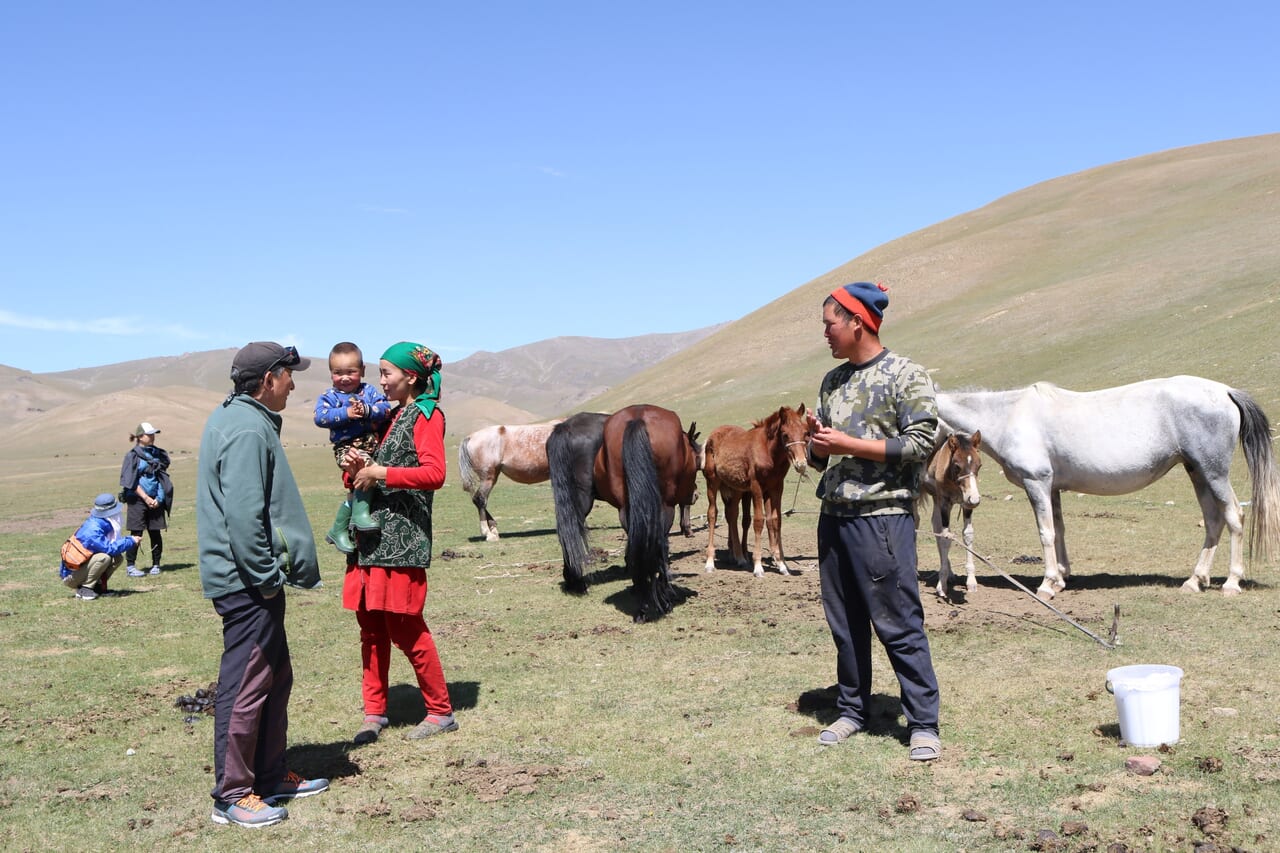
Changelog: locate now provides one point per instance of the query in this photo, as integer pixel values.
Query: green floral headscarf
(423, 363)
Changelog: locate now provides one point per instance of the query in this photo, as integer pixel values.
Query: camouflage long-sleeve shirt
(890, 398)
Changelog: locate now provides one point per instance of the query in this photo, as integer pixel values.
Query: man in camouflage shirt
(877, 416)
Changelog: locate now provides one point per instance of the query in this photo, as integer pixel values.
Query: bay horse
(951, 480)
(644, 464)
(1119, 440)
(751, 464)
(520, 452)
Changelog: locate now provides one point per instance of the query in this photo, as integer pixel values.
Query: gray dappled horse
(520, 452)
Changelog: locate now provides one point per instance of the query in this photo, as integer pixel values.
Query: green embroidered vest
(405, 514)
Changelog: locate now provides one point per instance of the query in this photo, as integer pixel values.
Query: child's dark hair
(345, 347)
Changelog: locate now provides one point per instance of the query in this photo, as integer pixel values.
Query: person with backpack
(95, 550)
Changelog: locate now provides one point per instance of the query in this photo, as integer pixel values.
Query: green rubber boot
(338, 535)
(360, 515)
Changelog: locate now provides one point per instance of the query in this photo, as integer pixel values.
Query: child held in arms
(354, 412)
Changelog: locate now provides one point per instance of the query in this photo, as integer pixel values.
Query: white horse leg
(757, 527)
(1060, 539)
(488, 527)
(971, 580)
(941, 519)
(1042, 505)
(1235, 525)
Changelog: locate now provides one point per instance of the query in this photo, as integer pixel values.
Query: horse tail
(571, 521)
(1255, 440)
(467, 467)
(646, 536)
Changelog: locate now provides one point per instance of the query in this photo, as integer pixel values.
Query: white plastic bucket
(1148, 702)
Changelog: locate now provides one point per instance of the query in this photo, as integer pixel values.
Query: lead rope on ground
(1115, 624)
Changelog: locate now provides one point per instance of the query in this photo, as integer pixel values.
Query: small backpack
(74, 554)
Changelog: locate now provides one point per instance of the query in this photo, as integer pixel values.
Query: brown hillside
(1149, 267)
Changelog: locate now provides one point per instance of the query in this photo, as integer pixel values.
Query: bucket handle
(1110, 689)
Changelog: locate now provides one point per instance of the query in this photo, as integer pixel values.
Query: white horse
(1119, 440)
(520, 452)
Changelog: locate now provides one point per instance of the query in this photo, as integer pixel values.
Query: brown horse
(951, 479)
(752, 463)
(520, 452)
(646, 466)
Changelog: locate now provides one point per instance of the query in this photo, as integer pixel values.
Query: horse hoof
(972, 587)
(758, 571)
(1229, 590)
(491, 537)
(1045, 593)
(1192, 585)
(782, 569)
(711, 566)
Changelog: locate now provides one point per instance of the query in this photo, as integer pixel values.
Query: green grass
(581, 730)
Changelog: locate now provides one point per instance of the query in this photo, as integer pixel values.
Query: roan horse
(951, 479)
(1119, 440)
(742, 464)
(645, 464)
(520, 452)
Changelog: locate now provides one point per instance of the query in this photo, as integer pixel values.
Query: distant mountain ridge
(93, 409)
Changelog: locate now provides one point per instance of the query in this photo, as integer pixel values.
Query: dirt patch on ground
(69, 519)
(734, 592)
(489, 781)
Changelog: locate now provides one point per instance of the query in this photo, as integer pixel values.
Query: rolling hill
(1154, 266)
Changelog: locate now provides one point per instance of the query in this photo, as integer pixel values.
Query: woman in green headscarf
(386, 581)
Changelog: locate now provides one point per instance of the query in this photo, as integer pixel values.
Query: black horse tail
(1255, 440)
(647, 554)
(571, 520)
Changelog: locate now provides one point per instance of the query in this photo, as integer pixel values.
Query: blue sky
(181, 177)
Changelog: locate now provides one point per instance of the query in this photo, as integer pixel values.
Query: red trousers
(379, 630)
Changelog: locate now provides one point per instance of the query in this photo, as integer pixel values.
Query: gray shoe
(432, 725)
(155, 570)
(86, 593)
(369, 731)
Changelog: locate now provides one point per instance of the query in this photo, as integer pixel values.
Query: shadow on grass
(1094, 581)
(883, 715)
(404, 701)
(514, 534)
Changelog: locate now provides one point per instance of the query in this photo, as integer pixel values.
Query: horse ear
(800, 411)
(977, 439)
(953, 442)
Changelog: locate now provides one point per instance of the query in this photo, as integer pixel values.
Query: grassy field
(581, 730)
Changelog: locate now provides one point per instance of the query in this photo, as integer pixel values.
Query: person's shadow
(404, 708)
(883, 715)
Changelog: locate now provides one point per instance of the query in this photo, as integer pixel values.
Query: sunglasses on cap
(290, 358)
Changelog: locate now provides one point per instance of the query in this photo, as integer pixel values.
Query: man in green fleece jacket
(254, 536)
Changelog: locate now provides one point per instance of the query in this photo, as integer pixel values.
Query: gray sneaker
(135, 572)
(248, 811)
(86, 593)
(155, 570)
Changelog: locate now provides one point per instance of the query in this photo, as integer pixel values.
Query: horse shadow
(515, 534)
(1097, 581)
(884, 714)
(625, 600)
